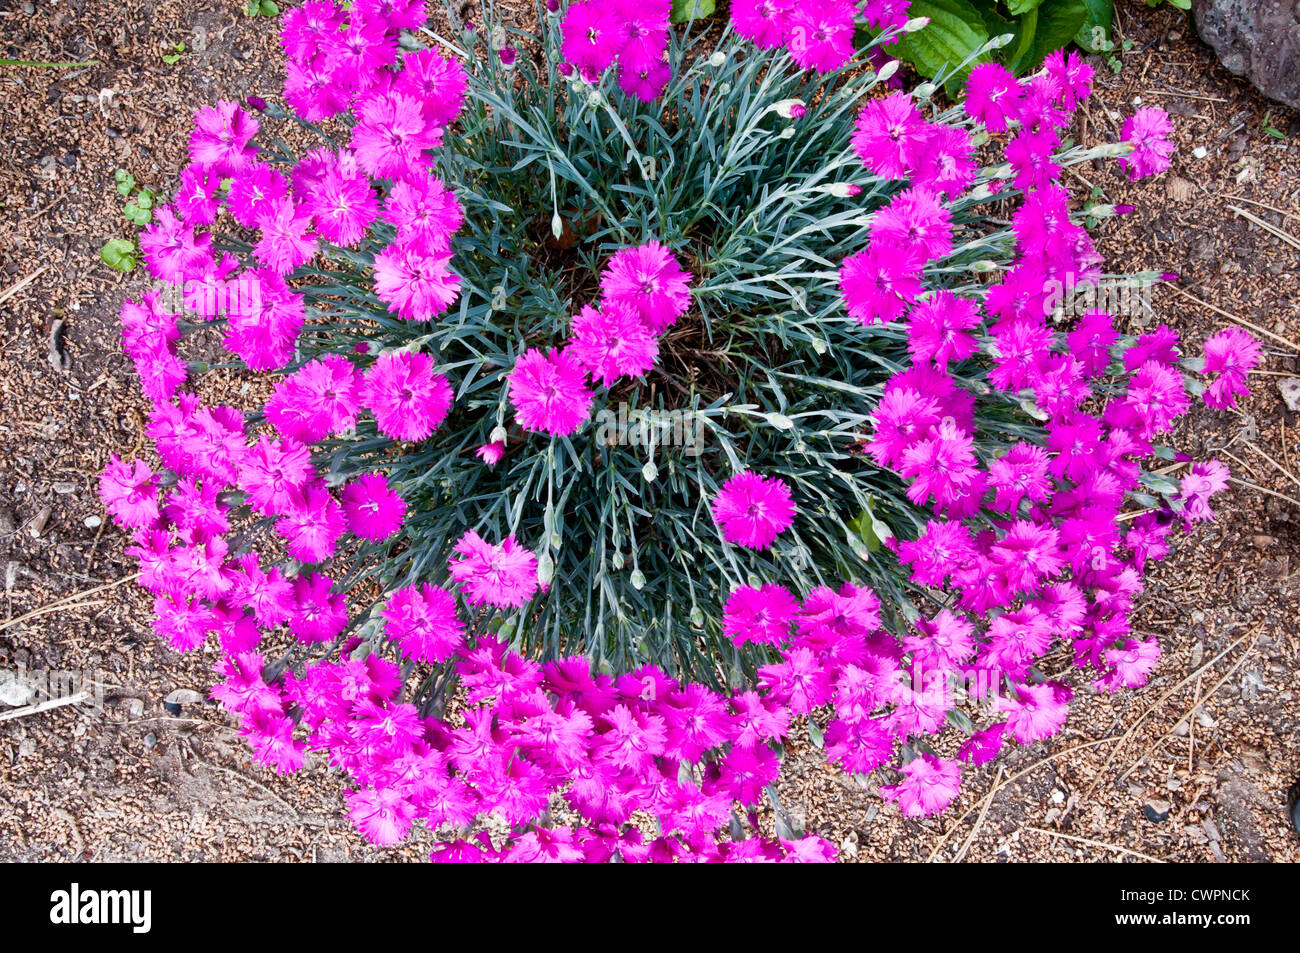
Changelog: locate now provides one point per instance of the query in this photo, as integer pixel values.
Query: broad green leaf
(955, 32)
(118, 253)
(992, 14)
(1094, 35)
(684, 10)
(1055, 28)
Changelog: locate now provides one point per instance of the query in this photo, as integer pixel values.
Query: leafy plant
(1266, 124)
(122, 253)
(898, 474)
(1016, 33)
(119, 254)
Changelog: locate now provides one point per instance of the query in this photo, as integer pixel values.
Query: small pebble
(150, 740)
(1200, 152)
(1157, 811)
(37, 525)
(92, 522)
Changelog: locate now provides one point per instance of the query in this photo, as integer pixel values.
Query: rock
(1290, 389)
(184, 696)
(37, 525)
(14, 691)
(1157, 811)
(1258, 39)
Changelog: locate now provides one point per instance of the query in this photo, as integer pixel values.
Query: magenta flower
(914, 219)
(1148, 130)
(423, 622)
(503, 575)
(929, 785)
(992, 96)
(319, 399)
(374, 511)
(312, 526)
(491, 453)
(319, 613)
(1231, 354)
(221, 136)
(821, 34)
(760, 615)
(436, 81)
(1196, 488)
(383, 816)
(1072, 75)
(1131, 663)
(342, 202)
(425, 212)
(407, 398)
(940, 329)
(1036, 712)
(270, 734)
(274, 472)
(647, 278)
(549, 391)
(255, 192)
(171, 250)
(130, 493)
(612, 343)
(891, 135)
(264, 324)
(765, 22)
(880, 283)
(414, 282)
(592, 37)
(643, 77)
(391, 136)
(983, 746)
(753, 510)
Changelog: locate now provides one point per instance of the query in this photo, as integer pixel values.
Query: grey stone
(1258, 39)
(13, 690)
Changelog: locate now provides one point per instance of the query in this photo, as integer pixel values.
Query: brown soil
(1216, 734)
